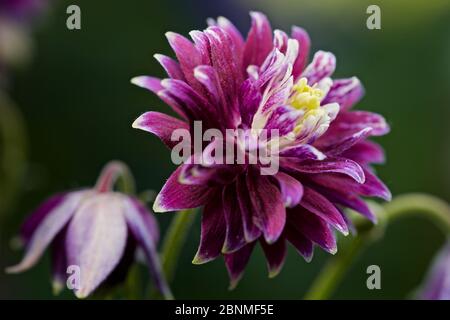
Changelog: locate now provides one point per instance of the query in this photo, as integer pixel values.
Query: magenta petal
(194, 106)
(213, 231)
(259, 40)
(269, 210)
(371, 187)
(322, 66)
(304, 42)
(336, 165)
(346, 92)
(176, 196)
(251, 230)
(47, 230)
(374, 187)
(291, 189)
(96, 239)
(351, 201)
(346, 143)
(313, 228)
(161, 125)
(365, 152)
(236, 263)
(284, 119)
(303, 245)
(172, 67)
(150, 83)
(234, 34)
(303, 152)
(234, 239)
(348, 123)
(250, 98)
(319, 205)
(187, 54)
(225, 63)
(275, 255)
(142, 225)
(209, 78)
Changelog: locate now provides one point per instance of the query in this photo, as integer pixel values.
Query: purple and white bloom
(437, 283)
(264, 82)
(97, 230)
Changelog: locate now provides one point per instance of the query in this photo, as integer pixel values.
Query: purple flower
(96, 230)
(21, 9)
(264, 82)
(437, 284)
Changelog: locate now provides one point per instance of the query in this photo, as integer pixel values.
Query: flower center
(307, 99)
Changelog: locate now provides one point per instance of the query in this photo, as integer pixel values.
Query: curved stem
(418, 203)
(174, 240)
(410, 204)
(334, 270)
(116, 171)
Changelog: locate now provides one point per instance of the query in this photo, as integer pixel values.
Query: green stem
(405, 205)
(174, 240)
(335, 269)
(13, 152)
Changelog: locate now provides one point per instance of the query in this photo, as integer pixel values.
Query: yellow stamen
(306, 98)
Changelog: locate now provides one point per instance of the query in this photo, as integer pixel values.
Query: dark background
(78, 106)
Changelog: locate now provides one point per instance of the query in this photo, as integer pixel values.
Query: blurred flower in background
(16, 20)
(437, 282)
(96, 230)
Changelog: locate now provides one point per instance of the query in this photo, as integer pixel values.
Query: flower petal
(304, 42)
(303, 152)
(172, 67)
(337, 165)
(346, 92)
(34, 220)
(236, 263)
(259, 40)
(59, 262)
(339, 146)
(234, 238)
(187, 54)
(322, 66)
(213, 230)
(176, 196)
(275, 255)
(303, 245)
(251, 230)
(161, 125)
(365, 152)
(47, 230)
(319, 205)
(143, 226)
(269, 210)
(96, 239)
(155, 86)
(224, 61)
(291, 189)
(313, 227)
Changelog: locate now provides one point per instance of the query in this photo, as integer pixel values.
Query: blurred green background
(78, 106)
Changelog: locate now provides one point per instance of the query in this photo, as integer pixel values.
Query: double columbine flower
(262, 83)
(97, 231)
